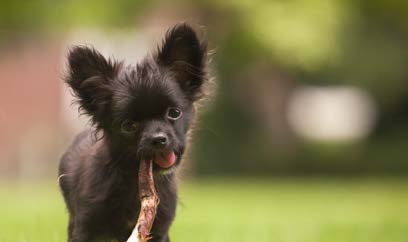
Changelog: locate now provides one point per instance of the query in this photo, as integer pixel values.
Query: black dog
(138, 112)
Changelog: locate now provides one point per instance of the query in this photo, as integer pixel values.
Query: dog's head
(144, 109)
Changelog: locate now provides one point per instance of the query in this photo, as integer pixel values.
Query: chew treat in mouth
(149, 200)
(165, 159)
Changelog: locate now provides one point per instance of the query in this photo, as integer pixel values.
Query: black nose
(159, 140)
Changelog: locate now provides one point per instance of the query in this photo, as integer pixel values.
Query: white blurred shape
(339, 113)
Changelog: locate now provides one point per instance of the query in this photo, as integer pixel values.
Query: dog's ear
(90, 76)
(185, 56)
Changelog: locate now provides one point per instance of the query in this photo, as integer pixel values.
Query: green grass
(279, 210)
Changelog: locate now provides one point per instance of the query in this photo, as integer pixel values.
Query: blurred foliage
(303, 33)
(359, 43)
(31, 16)
(334, 42)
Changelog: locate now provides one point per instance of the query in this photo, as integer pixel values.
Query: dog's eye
(174, 113)
(128, 127)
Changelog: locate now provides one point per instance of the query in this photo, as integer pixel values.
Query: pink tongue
(165, 160)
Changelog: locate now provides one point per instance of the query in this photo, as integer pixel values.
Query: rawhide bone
(149, 200)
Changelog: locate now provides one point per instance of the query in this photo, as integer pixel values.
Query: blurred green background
(303, 139)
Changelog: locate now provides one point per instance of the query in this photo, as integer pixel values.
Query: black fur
(128, 105)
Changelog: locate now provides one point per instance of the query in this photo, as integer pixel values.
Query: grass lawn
(215, 210)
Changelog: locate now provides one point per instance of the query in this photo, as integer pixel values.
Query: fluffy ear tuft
(186, 56)
(89, 76)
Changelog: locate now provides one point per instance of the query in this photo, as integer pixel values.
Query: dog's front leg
(164, 238)
(79, 233)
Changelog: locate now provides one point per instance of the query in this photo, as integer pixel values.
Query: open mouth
(165, 161)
